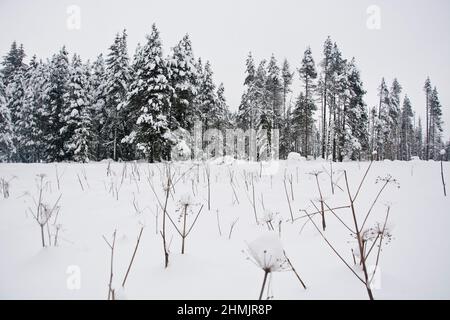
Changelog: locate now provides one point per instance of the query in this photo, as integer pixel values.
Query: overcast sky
(413, 40)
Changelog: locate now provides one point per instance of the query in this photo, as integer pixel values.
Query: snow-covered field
(96, 200)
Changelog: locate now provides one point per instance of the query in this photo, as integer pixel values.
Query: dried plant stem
(293, 269)
(79, 180)
(232, 227)
(266, 273)
(132, 257)
(380, 244)
(208, 180)
(322, 209)
(218, 223)
(289, 202)
(331, 177)
(359, 239)
(253, 200)
(442, 177)
(334, 250)
(183, 236)
(111, 273)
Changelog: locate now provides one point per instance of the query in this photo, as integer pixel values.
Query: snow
(267, 252)
(295, 156)
(413, 265)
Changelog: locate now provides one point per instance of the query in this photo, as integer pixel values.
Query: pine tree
(148, 100)
(382, 123)
(327, 71)
(307, 73)
(302, 118)
(418, 149)
(287, 76)
(274, 88)
(393, 141)
(428, 90)
(288, 133)
(255, 101)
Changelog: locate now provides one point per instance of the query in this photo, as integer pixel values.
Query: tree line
(122, 108)
(330, 119)
(64, 109)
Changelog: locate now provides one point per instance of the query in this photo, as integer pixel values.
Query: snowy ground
(415, 264)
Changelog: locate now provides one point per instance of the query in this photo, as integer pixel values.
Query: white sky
(412, 43)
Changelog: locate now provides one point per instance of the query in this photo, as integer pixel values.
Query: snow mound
(267, 252)
(295, 156)
(227, 160)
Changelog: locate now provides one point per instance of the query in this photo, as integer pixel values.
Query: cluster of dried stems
(43, 212)
(111, 245)
(170, 179)
(369, 240)
(364, 248)
(270, 264)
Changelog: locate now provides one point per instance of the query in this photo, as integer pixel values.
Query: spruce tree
(435, 127)
(184, 80)
(117, 124)
(31, 119)
(382, 123)
(12, 62)
(14, 102)
(57, 90)
(6, 131)
(100, 144)
(206, 98)
(407, 130)
(76, 116)
(248, 112)
(222, 109)
(149, 100)
(355, 118)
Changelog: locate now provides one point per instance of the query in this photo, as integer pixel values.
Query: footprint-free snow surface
(249, 225)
